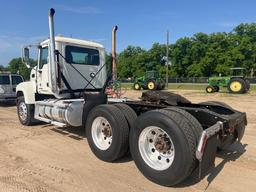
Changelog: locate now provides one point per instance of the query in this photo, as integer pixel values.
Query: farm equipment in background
(236, 83)
(151, 81)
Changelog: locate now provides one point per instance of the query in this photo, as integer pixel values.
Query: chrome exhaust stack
(53, 73)
(114, 68)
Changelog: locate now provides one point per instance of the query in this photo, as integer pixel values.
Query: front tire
(210, 89)
(25, 112)
(136, 86)
(216, 88)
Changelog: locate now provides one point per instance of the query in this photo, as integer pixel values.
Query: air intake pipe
(114, 68)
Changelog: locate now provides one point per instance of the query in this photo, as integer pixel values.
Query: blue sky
(140, 22)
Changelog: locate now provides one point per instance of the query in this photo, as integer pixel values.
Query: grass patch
(185, 86)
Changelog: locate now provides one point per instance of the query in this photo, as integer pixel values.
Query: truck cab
(78, 62)
(8, 83)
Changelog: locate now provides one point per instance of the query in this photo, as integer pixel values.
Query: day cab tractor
(151, 81)
(169, 137)
(236, 83)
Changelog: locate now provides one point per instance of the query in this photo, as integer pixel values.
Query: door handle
(92, 75)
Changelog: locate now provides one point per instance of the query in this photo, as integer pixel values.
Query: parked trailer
(168, 137)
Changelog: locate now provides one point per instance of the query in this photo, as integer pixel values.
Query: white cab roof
(75, 41)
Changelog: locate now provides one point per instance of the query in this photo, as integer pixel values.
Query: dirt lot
(47, 158)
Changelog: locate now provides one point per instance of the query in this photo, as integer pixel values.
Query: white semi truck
(168, 136)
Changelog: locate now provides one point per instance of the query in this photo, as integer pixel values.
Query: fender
(28, 90)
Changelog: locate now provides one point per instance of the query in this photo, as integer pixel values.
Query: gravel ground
(48, 158)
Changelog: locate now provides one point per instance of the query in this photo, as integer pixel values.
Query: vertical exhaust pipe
(53, 75)
(114, 68)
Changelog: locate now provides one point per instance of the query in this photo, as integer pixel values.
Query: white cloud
(81, 10)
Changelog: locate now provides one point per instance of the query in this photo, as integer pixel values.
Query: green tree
(2, 68)
(17, 66)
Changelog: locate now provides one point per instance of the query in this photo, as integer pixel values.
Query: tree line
(201, 55)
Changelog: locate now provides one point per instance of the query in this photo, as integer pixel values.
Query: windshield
(4, 80)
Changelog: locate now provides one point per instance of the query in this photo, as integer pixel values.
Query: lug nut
(150, 140)
(159, 157)
(167, 160)
(153, 150)
(153, 132)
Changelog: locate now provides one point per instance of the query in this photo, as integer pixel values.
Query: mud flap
(207, 147)
(208, 158)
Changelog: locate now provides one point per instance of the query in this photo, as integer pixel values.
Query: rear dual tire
(174, 160)
(107, 130)
(162, 142)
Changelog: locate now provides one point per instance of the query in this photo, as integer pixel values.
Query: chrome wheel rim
(23, 112)
(101, 133)
(156, 148)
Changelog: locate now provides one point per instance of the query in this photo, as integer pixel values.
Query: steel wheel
(151, 85)
(209, 89)
(235, 86)
(23, 111)
(136, 86)
(101, 133)
(156, 148)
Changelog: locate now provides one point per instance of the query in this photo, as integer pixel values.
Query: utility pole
(167, 58)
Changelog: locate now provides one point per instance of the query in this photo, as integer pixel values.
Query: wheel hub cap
(235, 86)
(151, 85)
(156, 148)
(101, 133)
(23, 112)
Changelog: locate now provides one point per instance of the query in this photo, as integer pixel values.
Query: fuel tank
(67, 112)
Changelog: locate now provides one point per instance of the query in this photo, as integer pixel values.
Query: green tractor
(236, 83)
(151, 81)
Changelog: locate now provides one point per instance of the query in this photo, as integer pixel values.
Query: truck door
(87, 61)
(16, 79)
(42, 71)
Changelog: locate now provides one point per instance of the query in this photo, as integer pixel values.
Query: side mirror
(25, 57)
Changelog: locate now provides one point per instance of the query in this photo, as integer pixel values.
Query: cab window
(16, 79)
(43, 57)
(4, 80)
(82, 55)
